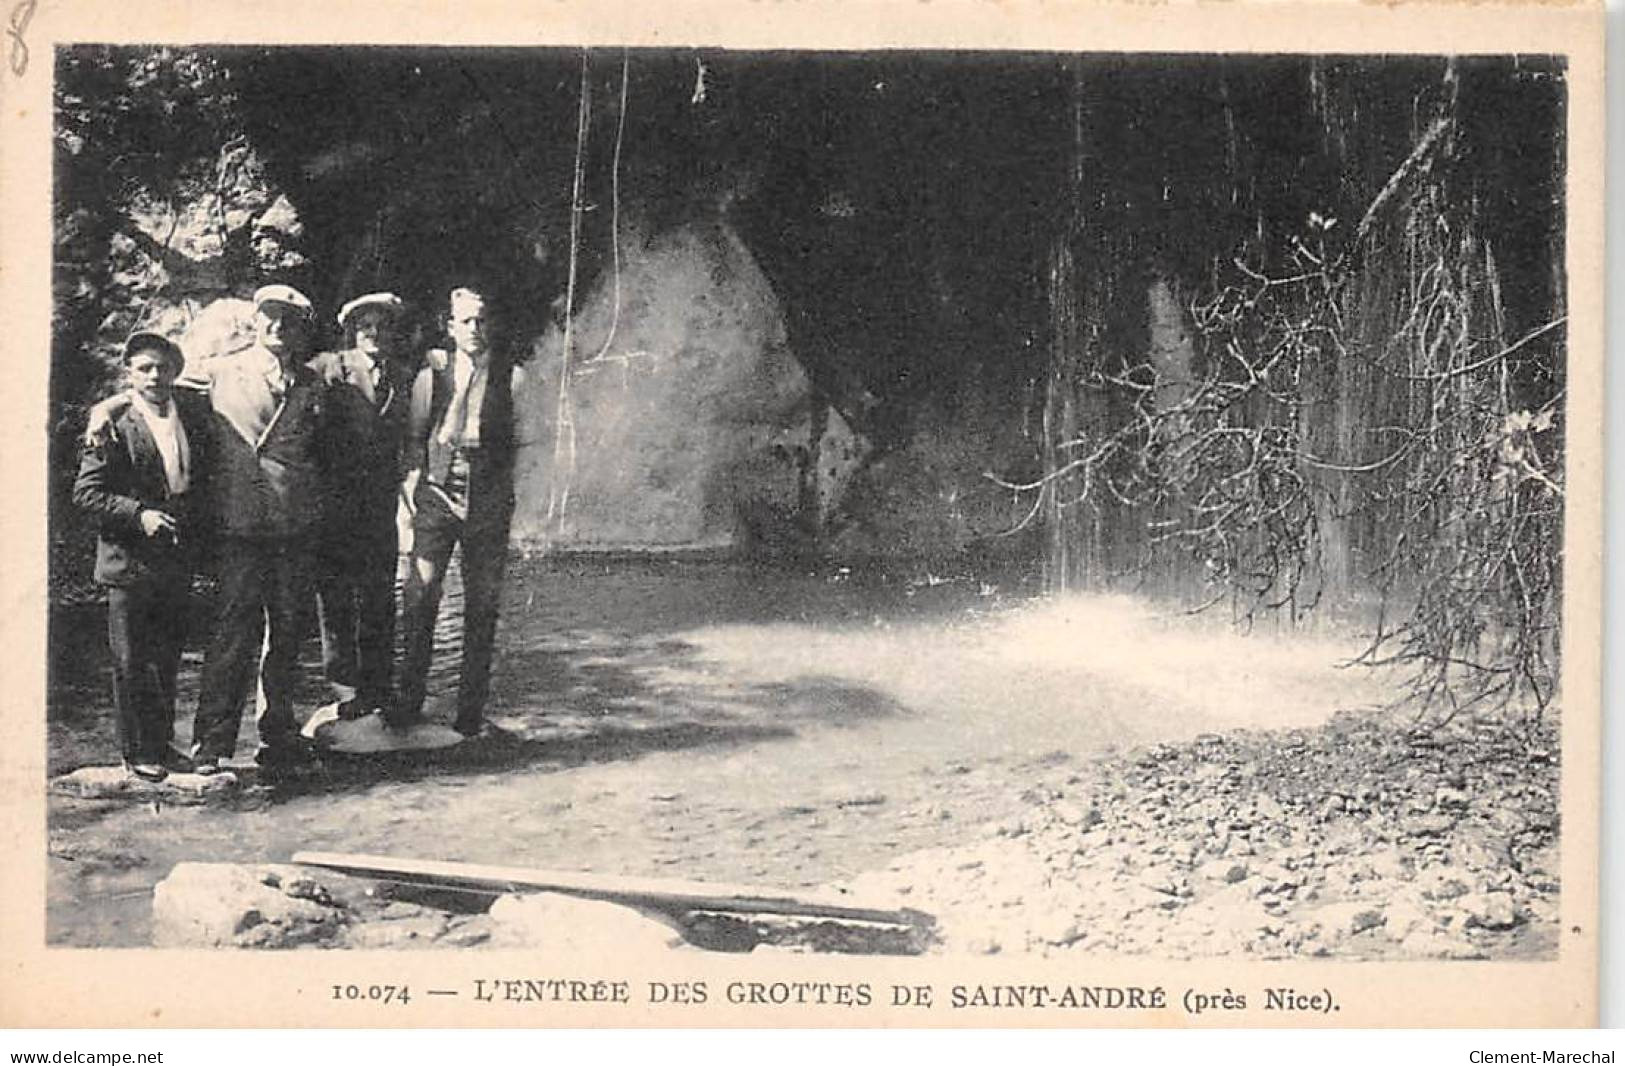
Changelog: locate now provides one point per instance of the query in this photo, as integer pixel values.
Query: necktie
(456, 420)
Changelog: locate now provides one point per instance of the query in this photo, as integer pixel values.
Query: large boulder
(217, 905)
(680, 419)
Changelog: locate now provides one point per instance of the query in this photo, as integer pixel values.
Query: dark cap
(146, 340)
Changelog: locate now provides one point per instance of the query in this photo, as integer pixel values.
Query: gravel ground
(1055, 776)
(1359, 839)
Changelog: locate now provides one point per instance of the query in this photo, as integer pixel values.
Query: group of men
(282, 474)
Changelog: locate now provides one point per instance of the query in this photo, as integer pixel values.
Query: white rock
(1450, 798)
(211, 905)
(368, 734)
(1268, 809)
(1072, 813)
(396, 933)
(1489, 910)
(1443, 882)
(114, 782)
(1228, 871)
(1406, 916)
(1349, 918)
(567, 924)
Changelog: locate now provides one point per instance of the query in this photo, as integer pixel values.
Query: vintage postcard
(801, 514)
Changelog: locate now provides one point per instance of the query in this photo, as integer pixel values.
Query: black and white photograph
(977, 506)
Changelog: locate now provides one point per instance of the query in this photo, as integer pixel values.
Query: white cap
(286, 295)
(384, 301)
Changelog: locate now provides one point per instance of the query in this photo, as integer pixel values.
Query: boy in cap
(272, 436)
(141, 480)
(370, 391)
(460, 452)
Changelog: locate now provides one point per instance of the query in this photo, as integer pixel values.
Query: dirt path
(720, 722)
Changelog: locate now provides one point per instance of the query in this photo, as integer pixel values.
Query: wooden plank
(658, 893)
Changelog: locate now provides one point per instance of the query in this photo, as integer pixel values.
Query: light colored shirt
(276, 379)
(170, 436)
(461, 424)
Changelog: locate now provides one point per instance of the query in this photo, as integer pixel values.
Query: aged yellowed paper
(957, 466)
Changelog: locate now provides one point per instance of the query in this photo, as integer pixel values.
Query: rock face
(681, 420)
(567, 924)
(216, 905)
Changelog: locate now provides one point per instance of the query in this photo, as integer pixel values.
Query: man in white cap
(370, 391)
(460, 451)
(272, 436)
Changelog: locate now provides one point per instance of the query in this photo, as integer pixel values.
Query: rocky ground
(1361, 838)
(1074, 775)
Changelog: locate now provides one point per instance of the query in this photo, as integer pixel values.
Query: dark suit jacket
(369, 426)
(271, 454)
(123, 476)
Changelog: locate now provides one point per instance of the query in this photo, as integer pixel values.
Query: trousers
(146, 623)
(436, 533)
(260, 620)
(355, 598)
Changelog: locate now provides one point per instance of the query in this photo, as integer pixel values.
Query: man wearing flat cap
(142, 483)
(370, 392)
(272, 434)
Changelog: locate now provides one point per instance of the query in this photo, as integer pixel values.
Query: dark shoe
(147, 771)
(351, 709)
(483, 730)
(284, 755)
(177, 762)
(400, 720)
(206, 766)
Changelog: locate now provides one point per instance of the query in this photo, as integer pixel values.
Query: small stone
(1071, 813)
(1389, 864)
(1349, 918)
(399, 909)
(1228, 871)
(400, 933)
(1405, 916)
(1450, 799)
(468, 932)
(308, 888)
(1268, 809)
(1428, 825)
(1162, 879)
(1480, 849)
(1489, 910)
(1057, 925)
(1279, 875)
(1183, 852)
(1443, 882)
